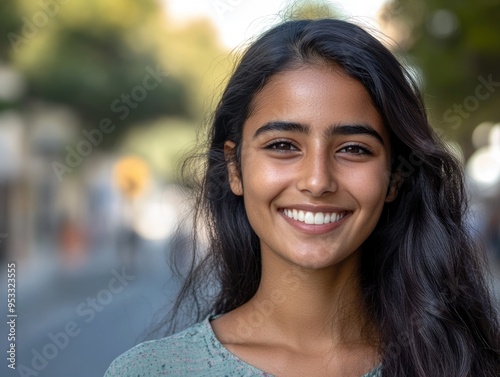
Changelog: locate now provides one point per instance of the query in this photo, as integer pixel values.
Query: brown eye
(356, 150)
(281, 146)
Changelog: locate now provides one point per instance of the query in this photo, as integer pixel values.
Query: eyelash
(364, 151)
(275, 143)
(291, 147)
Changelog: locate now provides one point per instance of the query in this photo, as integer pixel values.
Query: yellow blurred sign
(132, 175)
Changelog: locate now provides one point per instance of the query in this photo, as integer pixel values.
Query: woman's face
(315, 166)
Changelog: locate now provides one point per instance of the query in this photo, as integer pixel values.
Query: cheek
(262, 179)
(369, 185)
(262, 184)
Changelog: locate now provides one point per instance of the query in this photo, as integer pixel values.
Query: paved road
(74, 325)
(98, 337)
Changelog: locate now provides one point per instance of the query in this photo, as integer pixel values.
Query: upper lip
(315, 208)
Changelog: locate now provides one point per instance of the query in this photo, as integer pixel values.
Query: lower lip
(312, 228)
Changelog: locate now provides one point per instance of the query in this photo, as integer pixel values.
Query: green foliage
(93, 56)
(455, 44)
(10, 20)
(309, 10)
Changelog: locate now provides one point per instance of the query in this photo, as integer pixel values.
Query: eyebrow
(334, 130)
(282, 126)
(355, 129)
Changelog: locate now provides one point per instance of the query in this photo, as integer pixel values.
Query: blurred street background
(101, 99)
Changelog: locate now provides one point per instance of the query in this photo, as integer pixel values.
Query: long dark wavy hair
(422, 276)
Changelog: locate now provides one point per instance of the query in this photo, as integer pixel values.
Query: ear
(395, 183)
(232, 170)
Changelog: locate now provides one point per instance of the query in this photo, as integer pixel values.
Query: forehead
(317, 95)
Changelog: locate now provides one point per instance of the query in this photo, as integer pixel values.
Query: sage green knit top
(194, 352)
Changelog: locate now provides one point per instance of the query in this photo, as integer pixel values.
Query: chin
(319, 262)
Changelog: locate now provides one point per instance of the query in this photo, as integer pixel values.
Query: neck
(309, 306)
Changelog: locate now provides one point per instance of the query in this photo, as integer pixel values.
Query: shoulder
(172, 355)
(194, 352)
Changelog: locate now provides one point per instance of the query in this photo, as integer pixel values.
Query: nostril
(315, 171)
(318, 183)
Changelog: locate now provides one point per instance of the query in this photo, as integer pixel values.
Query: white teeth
(318, 218)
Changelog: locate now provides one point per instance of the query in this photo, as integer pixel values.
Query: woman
(335, 218)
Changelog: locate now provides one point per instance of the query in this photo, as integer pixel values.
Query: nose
(316, 174)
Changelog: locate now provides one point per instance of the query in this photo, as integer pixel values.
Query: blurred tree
(108, 58)
(455, 45)
(310, 9)
(87, 55)
(194, 53)
(10, 20)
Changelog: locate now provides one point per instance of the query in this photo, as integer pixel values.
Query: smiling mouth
(314, 218)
